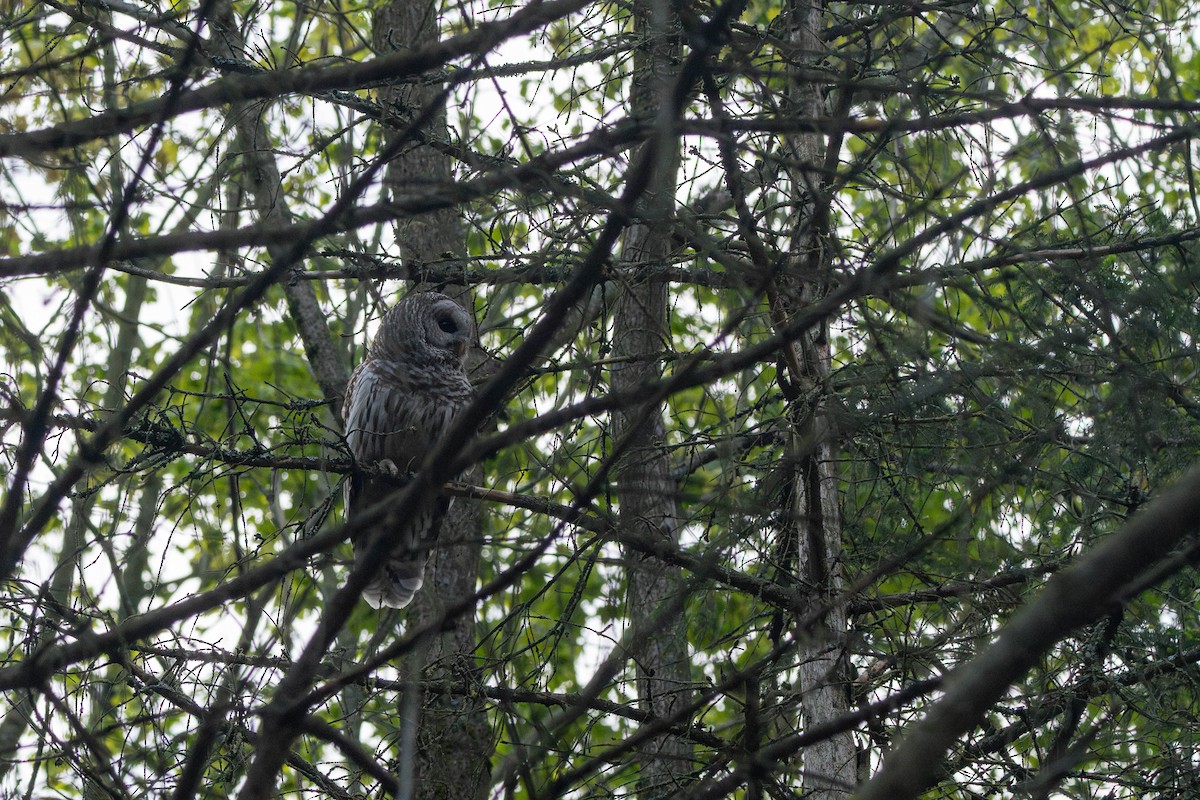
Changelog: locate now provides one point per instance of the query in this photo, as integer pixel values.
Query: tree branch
(1082, 593)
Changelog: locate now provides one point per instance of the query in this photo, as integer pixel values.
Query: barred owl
(399, 401)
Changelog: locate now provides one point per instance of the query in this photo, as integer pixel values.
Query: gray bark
(646, 491)
(815, 528)
(447, 745)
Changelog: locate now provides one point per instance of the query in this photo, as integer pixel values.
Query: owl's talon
(389, 468)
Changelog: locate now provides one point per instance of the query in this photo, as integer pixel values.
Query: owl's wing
(385, 424)
(364, 413)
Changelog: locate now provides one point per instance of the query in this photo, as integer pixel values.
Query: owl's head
(426, 326)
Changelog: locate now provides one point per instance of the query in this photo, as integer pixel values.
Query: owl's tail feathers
(396, 585)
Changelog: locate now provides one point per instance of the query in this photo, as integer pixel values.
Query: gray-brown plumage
(399, 401)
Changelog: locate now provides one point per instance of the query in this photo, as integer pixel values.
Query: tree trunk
(646, 492)
(814, 538)
(447, 745)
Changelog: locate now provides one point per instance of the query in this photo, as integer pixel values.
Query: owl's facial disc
(448, 330)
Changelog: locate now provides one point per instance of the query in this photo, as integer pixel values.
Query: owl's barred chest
(397, 413)
(436, 382)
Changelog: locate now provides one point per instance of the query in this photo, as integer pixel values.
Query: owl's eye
(448, 324)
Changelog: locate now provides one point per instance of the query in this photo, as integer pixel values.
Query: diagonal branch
(1077, 596)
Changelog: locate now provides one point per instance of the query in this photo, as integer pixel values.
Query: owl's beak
(460, 347)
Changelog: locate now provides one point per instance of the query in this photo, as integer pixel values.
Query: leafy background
(1016, 382)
